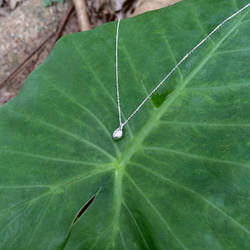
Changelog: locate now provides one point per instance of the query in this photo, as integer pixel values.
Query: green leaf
(49, 2)
(179, 179)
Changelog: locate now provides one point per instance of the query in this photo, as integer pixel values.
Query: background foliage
(49, 2)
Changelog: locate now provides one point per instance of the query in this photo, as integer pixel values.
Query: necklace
(118, 133)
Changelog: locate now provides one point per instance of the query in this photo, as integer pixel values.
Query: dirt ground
(28, 30)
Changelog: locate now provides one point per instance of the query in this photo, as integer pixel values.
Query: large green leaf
(178, 179)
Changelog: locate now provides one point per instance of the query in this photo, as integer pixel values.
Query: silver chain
(119, 131)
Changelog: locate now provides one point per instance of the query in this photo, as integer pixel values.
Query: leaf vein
(195, 156)
(101, 150)
(55, 159)
(93, 115)
(156, 212)
(169, 48)
(93, 72)
(136, 225)
(203, 124)
(201, 197)
(239, 85)
(40, 220)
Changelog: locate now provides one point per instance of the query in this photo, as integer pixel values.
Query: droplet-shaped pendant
(118, 133)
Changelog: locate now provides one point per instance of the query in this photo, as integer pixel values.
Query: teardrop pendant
(118, 133)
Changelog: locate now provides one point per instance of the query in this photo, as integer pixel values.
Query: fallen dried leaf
(147, 5)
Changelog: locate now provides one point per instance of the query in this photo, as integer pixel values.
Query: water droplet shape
(118, 133)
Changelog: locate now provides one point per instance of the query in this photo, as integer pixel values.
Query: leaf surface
(179, 179)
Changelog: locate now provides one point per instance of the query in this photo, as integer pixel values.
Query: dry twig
(82, 16)
(62, 25)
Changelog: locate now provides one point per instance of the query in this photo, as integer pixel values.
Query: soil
(22, 31)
